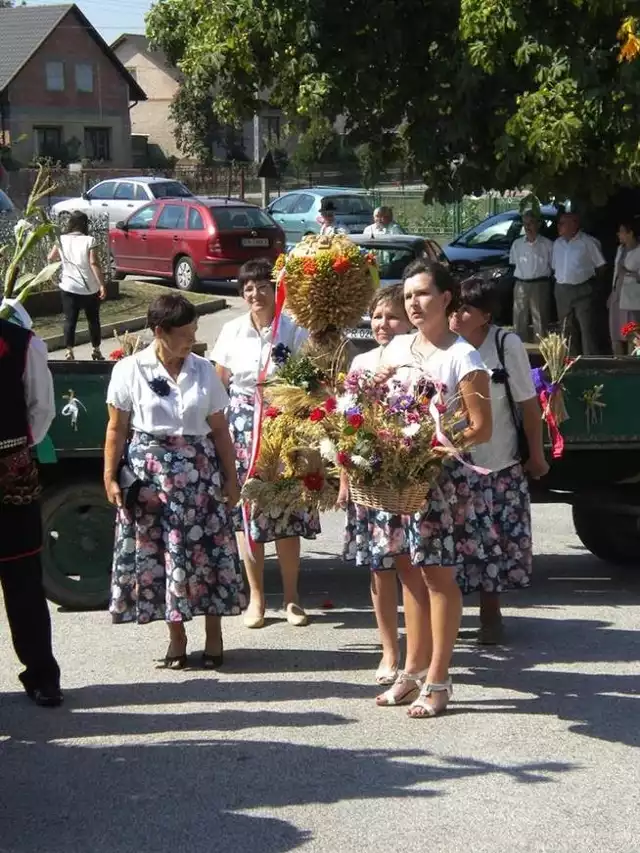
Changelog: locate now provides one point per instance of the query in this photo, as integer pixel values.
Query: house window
(48, 141)
(55, 76)
(84, 77)
(272, 124)
(97, 143)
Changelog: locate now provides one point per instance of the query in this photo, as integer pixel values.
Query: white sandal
(425, 706)
(386, 675)
(396, 696)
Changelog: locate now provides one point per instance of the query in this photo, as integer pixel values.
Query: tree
(482, 94)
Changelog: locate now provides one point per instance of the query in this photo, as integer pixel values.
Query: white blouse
(243, 351)
(630, 295)
(369, 360)
(197, 394)
(449, 366)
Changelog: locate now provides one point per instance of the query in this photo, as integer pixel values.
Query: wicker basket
(404, 502)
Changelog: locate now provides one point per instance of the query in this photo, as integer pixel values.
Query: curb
(56, 342)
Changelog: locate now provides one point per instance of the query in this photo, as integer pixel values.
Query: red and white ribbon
(258, 405)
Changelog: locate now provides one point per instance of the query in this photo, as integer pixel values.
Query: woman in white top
(175, 551)
(376, 538)
(245, 349)
(501, 558)
(81, 282)
(624, 303)
(433, 603)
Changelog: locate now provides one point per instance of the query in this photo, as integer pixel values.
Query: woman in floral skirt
(433, 619)
(175, 551)
(376, 538)
(246, 348)
(502, 558)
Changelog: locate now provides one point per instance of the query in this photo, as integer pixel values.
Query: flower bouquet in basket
(390, 439)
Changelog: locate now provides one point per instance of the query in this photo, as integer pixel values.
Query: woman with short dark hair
(81, 282)
(175, 551)
(243, 351)
(500, 557)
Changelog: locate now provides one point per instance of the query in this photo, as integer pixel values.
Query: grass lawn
(134, 300)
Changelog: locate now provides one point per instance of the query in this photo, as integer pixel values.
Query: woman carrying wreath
(246, 349)
(175, 552)
(432, 598)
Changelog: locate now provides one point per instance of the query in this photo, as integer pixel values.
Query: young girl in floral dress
(376, 538)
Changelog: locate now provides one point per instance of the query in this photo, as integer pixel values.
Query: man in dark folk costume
(27, 411)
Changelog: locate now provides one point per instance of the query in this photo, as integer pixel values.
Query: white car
(120, 197)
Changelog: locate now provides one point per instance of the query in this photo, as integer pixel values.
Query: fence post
(242, 178)
(457, 218)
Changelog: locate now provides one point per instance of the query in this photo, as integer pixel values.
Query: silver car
(120, 197)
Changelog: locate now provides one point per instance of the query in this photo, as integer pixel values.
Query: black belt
(533, 280)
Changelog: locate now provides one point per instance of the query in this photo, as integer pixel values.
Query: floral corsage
(160, 386)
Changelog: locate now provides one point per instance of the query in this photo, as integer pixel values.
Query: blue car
(298, 212)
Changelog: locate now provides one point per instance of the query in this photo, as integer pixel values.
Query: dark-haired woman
(175, 551)
(243, 351)
(624, 303)
(81, 282)
(432, 599)
(501, 557)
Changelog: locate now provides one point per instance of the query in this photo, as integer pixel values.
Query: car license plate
(359, 333)
(254, 242)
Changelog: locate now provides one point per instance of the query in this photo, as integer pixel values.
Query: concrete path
(284, 748)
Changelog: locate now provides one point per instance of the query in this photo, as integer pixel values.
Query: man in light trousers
(530, 257)
(578, 265)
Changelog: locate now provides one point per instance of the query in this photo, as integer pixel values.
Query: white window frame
(84, 77)
(54, 73)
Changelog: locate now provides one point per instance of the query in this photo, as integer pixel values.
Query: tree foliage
(479, 93)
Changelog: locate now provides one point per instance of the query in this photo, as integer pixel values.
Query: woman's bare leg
(213, 635)
(384, 597)
(446, 614)
(288, 551)
(417, 616)
(254, 569)
(177, 639)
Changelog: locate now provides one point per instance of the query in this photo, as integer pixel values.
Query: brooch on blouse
(280, 354)
(160, 386)
(499, 375)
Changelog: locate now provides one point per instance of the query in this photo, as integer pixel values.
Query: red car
(192, 240)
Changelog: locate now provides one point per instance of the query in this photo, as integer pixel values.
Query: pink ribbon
(557, 439)
(434, 409)
(258, 405)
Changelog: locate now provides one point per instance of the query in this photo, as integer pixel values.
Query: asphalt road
(284, 749)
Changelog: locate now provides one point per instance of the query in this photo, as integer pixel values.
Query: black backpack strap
(501, 337)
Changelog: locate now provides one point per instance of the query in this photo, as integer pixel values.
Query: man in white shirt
(383, 223)
(577, 263)
(28, 410)
(530, 257)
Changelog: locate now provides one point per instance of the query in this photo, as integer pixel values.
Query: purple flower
(280, 354)
(160, 386)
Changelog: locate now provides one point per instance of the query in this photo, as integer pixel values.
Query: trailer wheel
(78, 525)
(613, 537)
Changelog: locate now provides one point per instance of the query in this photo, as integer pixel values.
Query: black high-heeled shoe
(213, 661)
(174, 662)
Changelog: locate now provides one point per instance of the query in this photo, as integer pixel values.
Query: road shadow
(190, 793)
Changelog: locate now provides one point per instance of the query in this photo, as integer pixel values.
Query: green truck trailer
(599, 473)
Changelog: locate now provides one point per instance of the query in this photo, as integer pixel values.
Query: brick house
(161, 81)
(64, 94)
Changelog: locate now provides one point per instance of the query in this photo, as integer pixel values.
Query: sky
(109, 17)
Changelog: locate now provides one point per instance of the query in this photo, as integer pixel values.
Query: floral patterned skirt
(501, 557)
(175, 554)
(264, 526)
(374, 537)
